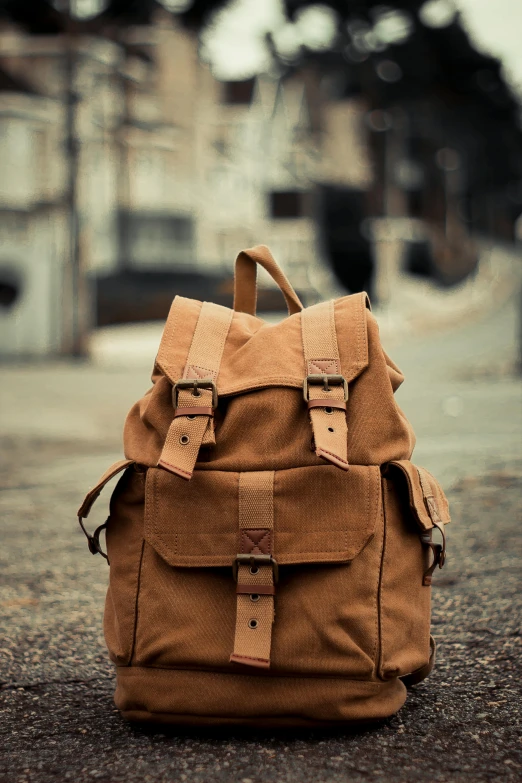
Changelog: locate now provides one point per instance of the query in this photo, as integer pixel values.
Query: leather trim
(255, 541)
(260, 663)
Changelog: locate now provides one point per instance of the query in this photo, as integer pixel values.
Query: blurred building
(120, 150)
(176, 173)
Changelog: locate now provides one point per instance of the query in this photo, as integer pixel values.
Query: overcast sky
(235, 44)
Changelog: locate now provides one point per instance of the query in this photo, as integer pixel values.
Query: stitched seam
(249, 657)
(136, 605)
(374, 686)
(376, 614)
(196, 368)
(180, 470)
(380, 590)
(167, 340)
(333, 330)
(257, 544)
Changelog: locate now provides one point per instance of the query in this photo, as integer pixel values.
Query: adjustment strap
(90, 498)
(321, 353)
(255, 570)
(192, 428)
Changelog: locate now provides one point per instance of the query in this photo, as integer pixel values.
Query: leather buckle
(195, 384)
(326, 380)
(253, 561)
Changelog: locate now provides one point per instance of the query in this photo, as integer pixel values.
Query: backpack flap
(429, 508)
(427, 501)
(321, 515)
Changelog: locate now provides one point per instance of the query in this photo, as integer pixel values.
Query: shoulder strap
(92, 495)
(194, 402)
(326, 390)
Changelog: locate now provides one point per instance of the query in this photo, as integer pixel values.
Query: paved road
(61, 427)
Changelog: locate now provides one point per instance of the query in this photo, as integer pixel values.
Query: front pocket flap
(427, 500)
(321, 514)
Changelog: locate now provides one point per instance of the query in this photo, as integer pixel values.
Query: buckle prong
(194, 384)
(326, 380)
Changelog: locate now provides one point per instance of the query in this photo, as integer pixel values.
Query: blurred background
(372, 145)
(143, 143)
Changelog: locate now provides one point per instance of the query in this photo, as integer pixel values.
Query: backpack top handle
(245, 280)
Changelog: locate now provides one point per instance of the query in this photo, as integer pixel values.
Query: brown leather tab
(257, 590)
(340, 404)
(260, 663)
(193, 411)
(257, 541)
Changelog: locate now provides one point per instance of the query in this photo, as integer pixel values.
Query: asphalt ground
(58, 721)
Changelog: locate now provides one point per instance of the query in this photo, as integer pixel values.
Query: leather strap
(245, 280)
(90, 498)
(194, 427)
(327, 416)
(93, 494)
(255, 589)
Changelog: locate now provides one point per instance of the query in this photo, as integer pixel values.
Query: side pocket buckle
(93, 542)
(438, 551)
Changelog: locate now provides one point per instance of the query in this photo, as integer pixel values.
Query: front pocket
(124, 536)
(411, 501)
(327, 542)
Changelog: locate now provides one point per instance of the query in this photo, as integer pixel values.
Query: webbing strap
(188, 433)
(321, 352)
(255, 582)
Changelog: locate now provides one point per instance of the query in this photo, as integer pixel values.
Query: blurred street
(61, 426)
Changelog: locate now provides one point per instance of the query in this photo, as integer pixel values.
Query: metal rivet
(196, 393)
(252, 623)
(254, 570)
(191, 416)
(254, 597)
(328, 410)
(184, 439)
(331, 429)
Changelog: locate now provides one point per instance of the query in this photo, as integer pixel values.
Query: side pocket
(405, 603)
(124, 537)
(413, 504)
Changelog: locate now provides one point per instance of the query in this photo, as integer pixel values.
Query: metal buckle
(195, 383)
(335, 380)
(255, 560)
(93, 542)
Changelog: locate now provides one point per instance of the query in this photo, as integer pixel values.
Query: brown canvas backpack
(270, 542)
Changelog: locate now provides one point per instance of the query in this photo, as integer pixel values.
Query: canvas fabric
(328, 541)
